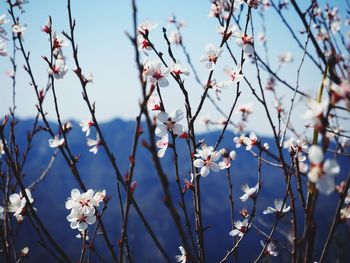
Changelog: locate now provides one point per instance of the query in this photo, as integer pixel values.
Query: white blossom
(86, 125)
(93, 144)
(181, 258)
(270, 248)
(206, 160)
(162, 144)
(17, 204)
(241, 227)
(249, 191)
(153, 70)
(278, 209)
(322, 172)
(212, 55)
(169, 123)
(56, 142)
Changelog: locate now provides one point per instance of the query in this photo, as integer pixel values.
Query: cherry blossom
(230, 30)
(146, 26)
(2, 150)
(249, 192)
(227, 158)
(162, 144)
(285, 57)
(322, 172)
(181, 258)
(100, 196)
(206, 160)
(270, 249)
(234, 74)
(58, 42)
(24, 251)
(3, 19)
(153, 103)
(3, 48)
(340, 92)
(175, 37)
(17, 204)
(239, 140)
(315, 112)
(250, 141)
(298, 146)
(143, 44)
(82, 201)
(241, 227)
(254, 3)
(157, 75)
(47, 27)
(94, 144)
(212, 56)
(246, 42)
(18, 29)
(79, 220)
(169, 123)
(278, 209)
(86, 125)
(56, 142)
(59, 68)
(177, 70)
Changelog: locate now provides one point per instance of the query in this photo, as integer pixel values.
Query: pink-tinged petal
(203, 58)
(331, 167)
(89, 194)
(313, 175)
(185, 72)
(325, 184)
(70, 204)
(74, 225)
(14, 198)
(163, 116)
(215, 167)
(215, 156)
(269, 210)
(82, 226)
(204, 171)
(238, 78)
(90, 220)
(210, 65)
(316, 154)
(163, 82)
(248, 49)
(244, 197)
(161, 152)
(161, 130)
(94, 150)
(234, 232)
(178, 128)
(219, 52)
(177, 116)
(75, 194)
(210, 49)
(198, 163)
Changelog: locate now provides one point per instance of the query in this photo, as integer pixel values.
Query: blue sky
(105, 51)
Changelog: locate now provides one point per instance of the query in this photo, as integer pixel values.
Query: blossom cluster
(83, 208)
(3, 39)
(17, 204)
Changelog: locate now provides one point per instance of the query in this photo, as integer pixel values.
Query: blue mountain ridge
(50, 196)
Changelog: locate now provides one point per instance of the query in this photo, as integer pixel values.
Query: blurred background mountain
(50, 196)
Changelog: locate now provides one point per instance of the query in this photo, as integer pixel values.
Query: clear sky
(105, 51)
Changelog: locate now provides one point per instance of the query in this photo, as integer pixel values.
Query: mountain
(96, 171)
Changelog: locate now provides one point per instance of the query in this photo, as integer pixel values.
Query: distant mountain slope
(96, 171)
